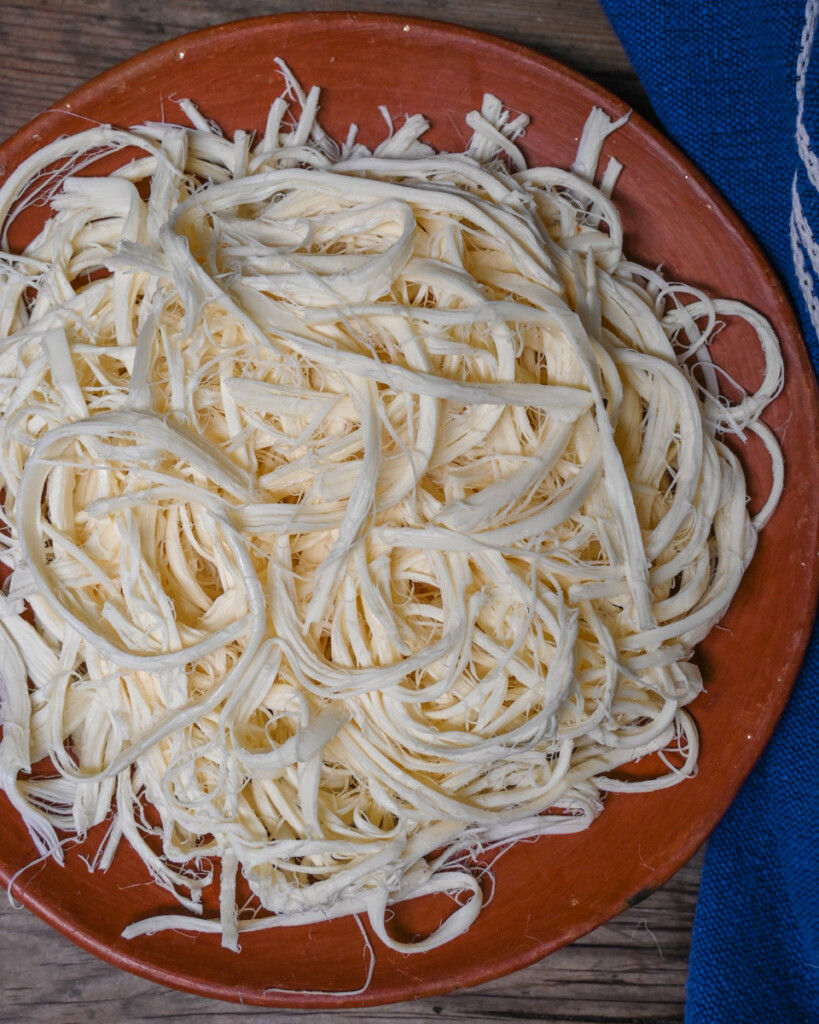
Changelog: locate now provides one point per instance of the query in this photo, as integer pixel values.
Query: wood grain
(633, 968)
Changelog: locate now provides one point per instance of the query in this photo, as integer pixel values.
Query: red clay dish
(552, 891)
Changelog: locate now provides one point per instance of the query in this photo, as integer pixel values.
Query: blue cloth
(724, 78)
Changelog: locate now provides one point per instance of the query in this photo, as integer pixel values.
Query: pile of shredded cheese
(362, 510)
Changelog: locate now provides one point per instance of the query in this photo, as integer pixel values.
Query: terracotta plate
(551, 891)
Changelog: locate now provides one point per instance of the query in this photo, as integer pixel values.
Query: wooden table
(631, 969)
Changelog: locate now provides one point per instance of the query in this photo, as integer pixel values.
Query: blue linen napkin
(735, 83)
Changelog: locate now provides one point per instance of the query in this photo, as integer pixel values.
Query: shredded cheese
(369, 507)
